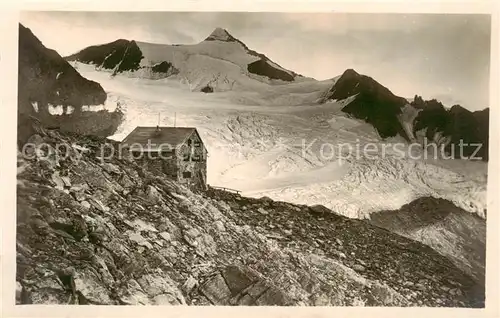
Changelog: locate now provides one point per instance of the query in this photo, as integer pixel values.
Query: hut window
(186, 174)
(196, 157)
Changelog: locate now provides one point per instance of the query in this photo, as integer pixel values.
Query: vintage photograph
(252, 158)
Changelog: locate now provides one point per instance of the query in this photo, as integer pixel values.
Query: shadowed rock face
(433, 116)
(373, 103)
(457, 123)
(464, 126)
(377, 105)
(45, 78)
(207, 89)
(163, 67)
(483, 119)
(120, 55)
(261, 67)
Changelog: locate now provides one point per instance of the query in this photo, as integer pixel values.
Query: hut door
(201, 179)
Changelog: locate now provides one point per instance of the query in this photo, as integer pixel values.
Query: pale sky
(434, 55)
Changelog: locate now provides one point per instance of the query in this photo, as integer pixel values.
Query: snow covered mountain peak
(220, 34)
(350, 73)
(219, 63)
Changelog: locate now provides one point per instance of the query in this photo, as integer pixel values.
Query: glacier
(255, 137)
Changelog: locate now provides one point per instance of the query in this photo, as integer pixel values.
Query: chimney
(157, 131)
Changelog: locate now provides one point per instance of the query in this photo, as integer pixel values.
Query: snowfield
(273, 140)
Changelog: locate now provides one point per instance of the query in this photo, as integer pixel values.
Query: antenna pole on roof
(175, 118)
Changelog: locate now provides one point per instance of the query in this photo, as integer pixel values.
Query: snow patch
(111, 104)
(56, 110)
(35, 106)
(93, 108)
(220, 34)
(407, 118)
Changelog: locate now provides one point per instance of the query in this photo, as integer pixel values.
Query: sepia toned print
(252, 159)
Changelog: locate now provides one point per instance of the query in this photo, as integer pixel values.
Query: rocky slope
(93, 231)
(453, 232)
(46, 80)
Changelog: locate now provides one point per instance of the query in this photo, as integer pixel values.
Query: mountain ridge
(47, 81)
(373, 102)
(205, 67)
(111, 55)
(218, 34)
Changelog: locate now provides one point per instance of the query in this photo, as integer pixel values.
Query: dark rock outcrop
(432, 116)
(240, 285)
(163, 67)
(457, 123)
(263, 68)
(378, 106)
(207, 89)
(45, 79)
(120, 55)
(483, 119)
(373, 103)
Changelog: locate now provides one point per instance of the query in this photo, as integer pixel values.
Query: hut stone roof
(152, 137)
